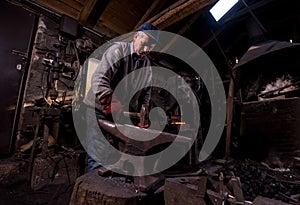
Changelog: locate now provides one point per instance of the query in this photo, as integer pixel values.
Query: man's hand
(110, 105)
(143, 126)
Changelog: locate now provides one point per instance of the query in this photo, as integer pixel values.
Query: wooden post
(229, 114)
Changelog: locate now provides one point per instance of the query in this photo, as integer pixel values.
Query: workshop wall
(69, 51)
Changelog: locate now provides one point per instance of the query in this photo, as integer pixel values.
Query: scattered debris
(217, 182)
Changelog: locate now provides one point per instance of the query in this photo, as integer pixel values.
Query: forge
(268, 99)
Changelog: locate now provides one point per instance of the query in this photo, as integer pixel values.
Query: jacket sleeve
(106, 70)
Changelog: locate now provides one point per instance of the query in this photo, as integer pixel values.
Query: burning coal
(281, 85)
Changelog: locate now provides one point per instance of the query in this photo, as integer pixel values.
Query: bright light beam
(221, 8)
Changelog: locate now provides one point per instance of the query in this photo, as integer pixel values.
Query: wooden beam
(182, 31)
(155, 6)
(174, 14)
(96, 12)
(86, 10)
(176, 4)
(59, 7)
(229, 115)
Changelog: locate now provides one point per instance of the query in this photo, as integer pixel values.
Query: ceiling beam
(182, 30)
(96, 12)
(176, 13)
(160, 14)
(155, 6)
(86, 10)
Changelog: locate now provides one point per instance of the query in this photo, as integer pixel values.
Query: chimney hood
(269, 51)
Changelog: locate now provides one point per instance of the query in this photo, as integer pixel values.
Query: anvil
(140, 138)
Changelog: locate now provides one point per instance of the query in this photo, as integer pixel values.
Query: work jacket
(117, 62)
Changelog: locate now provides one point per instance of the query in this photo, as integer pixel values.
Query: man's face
(142, 44)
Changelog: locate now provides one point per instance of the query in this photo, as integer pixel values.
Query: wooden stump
(93, 189)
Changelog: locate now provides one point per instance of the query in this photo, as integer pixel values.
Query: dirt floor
(23, 194)
(51, 180)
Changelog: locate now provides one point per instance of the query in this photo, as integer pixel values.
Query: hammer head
(144, 115)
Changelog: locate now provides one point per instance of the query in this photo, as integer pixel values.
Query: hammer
(142, 115)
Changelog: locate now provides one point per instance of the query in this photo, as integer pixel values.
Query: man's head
(145, 39)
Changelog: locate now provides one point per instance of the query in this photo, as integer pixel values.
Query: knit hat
(150, 30)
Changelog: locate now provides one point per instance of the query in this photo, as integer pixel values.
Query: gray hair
(140, 34)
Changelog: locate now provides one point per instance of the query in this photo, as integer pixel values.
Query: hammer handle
(132, 114)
